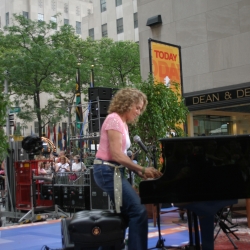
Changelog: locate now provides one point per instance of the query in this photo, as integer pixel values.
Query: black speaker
(103, 109)
(94, 124)
(99, 199)
(76, 197)
(48, 191)
(73, 197)
(101, 92)
(67, 243)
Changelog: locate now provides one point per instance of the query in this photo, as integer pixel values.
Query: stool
(92, 229)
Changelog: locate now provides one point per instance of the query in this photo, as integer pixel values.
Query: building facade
(71, 11)
(116, 19)
(214, 36)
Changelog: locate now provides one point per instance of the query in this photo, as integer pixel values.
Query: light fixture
(154, 20)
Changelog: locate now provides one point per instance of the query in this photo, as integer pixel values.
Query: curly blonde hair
(125, 98)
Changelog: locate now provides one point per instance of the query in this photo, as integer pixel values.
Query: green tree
(116, 64)
(3, 138)
(37, 63)
(119, 62)
(165, 114)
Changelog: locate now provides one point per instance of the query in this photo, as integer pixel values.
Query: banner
(79, 117)
(59, 139)
(165, 64)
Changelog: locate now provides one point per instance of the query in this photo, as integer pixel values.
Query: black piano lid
(202, 168)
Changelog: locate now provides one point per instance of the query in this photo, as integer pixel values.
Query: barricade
(72, 178)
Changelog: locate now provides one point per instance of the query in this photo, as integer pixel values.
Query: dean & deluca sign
(216, 97)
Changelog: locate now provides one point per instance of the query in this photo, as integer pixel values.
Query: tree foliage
(36, 64)
(3, 138)
(165, 114)
(42, 61)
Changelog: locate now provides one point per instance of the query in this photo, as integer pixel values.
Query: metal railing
(72, 178)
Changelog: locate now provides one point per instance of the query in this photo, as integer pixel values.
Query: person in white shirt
(78, 166)
(62, 166)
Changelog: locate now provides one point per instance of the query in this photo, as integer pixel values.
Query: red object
(54, 134)
(24, 171)
(48, 132)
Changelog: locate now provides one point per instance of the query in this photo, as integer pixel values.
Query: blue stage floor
(36, 235)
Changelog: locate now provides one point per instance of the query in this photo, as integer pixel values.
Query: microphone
(137, 139)
(129, 153)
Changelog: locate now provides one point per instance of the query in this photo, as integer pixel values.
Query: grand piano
(203, 175)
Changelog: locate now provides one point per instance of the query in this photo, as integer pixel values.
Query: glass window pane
(118, 2)
(135, 20)
(7, 19)
(119, 23)
(91, 33)
(66, 21)
(26, 14)
(103, 5)
(40, 17)
(36, 127)
(104, 30)
(78, 28)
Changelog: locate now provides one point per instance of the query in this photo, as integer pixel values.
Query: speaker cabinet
(103, 108)
(48, 191)
(101, 92)
(67, 243)
(99, 199)
(76, 197)
(94, 124)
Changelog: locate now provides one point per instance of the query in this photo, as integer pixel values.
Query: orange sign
(165, 64)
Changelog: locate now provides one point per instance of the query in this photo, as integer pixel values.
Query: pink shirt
(112, 122)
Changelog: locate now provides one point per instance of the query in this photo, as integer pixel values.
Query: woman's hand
(150, 172)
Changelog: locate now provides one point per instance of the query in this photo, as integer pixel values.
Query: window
(26, 14)
(103, 5)
(119, 24)
(104, 30)
(54, 24)
(36, 128)
(136, 20)
(91, 33)
(40, 17)
(7, 19)
(78, 28)
(66, 21)
(118, 2)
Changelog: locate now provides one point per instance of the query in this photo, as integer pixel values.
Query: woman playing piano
(111, 158)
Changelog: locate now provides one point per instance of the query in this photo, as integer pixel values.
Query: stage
(35, 236)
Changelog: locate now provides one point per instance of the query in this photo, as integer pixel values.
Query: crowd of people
(61, 163)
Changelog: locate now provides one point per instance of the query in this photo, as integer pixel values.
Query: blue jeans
(131, 206)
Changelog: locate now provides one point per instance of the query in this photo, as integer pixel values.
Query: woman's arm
(115, 143)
